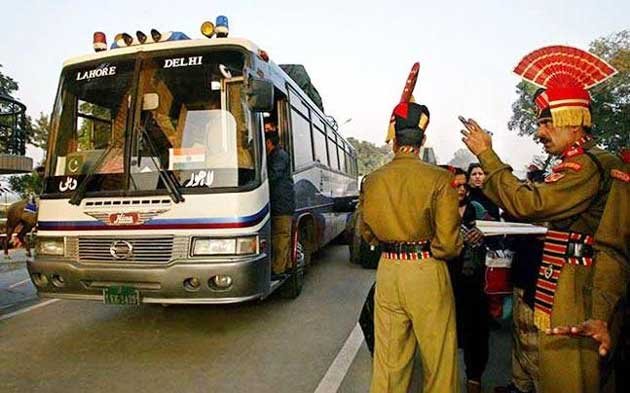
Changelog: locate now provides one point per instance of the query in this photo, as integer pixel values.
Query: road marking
(340, 366)
(17, 284)
(27, 309)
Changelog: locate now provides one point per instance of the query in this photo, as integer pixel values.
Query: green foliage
(26, 184)
(610, 100)
(40, 129)
(523, 117)
(369, 156)
(7, 84)
(36, 133)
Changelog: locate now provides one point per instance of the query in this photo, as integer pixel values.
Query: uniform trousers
(568, 363)
(524, 344)
(281, 242)
(414, 308)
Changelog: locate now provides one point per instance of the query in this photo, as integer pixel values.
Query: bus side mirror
(260, 95)
(150, 101)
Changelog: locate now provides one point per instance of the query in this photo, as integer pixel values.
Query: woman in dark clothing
(467, 273)
(476, 177)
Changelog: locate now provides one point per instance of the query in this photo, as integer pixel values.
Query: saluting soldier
(410, 208)
(571, 199)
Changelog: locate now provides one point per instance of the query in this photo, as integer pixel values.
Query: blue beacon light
(221, 26)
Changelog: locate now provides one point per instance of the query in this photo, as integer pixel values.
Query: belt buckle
(575, 250)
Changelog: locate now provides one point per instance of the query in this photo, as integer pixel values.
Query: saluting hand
(594, 328)
(475, 138)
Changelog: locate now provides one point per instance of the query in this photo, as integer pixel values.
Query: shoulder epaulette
(554, 177)
(620, 175)
(567, 165)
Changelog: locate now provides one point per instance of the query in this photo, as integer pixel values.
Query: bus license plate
(121, 295)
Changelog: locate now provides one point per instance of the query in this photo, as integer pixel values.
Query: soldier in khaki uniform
(572, 200)
(410, 209)
(611, 273)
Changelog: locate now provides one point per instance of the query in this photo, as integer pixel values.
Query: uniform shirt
(611, 273)
(572, 198)
(568, 198)
(281, 192)
(408, 200)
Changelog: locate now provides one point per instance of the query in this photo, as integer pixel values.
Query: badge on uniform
(620, 175)
(567, 165)
(554, 177)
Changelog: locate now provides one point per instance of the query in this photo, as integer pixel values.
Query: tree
(7, 84)
(32, 132)
(369, 156)
(24, 185)
(36, 134)
(40, 130)
(462, 158)
(610, 100)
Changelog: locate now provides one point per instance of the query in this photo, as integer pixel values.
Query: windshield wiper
(79, 193)
(172, 185)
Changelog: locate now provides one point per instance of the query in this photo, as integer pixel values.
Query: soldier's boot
(473, 386)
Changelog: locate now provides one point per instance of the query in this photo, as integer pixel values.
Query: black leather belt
(568, 244)
(407, 247)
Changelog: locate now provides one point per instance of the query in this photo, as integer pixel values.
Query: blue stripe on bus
(163, 223)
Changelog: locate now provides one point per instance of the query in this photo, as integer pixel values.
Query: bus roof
(246, 44)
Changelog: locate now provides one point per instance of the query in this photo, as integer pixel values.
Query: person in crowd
(525, 265)
(571, 200)
(410, 208)
(282, 200)
(477, 177)
(467, 276)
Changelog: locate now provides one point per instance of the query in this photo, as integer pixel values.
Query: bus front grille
(150, 249)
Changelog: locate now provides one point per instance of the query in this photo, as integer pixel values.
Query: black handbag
(366, 319)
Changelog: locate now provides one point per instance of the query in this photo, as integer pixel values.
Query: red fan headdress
(566, 73)
(407, 114)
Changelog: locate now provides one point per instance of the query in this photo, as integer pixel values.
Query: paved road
(16, 289)
(278, 345)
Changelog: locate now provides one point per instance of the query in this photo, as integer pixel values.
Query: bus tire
(294, 284)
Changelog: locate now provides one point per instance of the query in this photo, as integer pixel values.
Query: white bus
(156, 188)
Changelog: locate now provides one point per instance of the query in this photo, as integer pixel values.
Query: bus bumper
(167, 284)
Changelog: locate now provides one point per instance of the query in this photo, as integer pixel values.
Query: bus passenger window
(302, 146)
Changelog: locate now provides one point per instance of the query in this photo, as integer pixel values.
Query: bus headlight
(50, 246)
(225, 246)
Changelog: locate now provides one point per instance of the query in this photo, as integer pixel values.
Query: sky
(358, 53)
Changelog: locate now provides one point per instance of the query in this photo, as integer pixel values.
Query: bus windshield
(192, 122)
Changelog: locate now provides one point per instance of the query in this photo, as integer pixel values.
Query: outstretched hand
(594, 328)
(475, 138)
